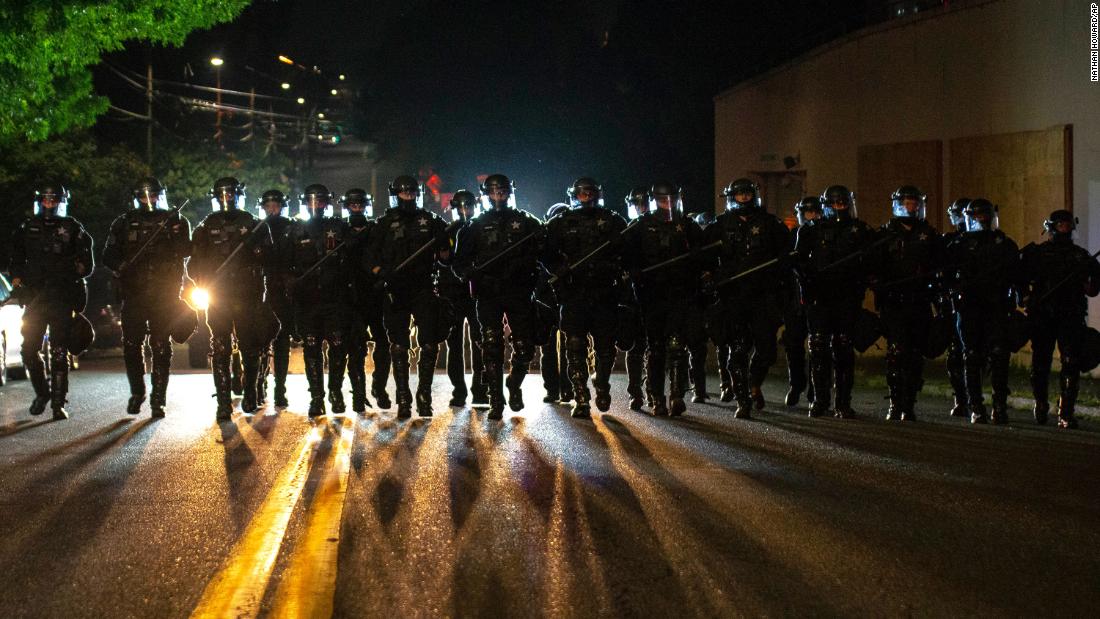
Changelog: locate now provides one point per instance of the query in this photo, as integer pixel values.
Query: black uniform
(906, 265)
(52, 256)
(832, 293)
(149, 290)
(751, 306)
(1057, 314)
(667, 297)
(410, 294)
(236, 298)
(276, 358)
(504, 288)
(589, 294)
(795, 332)
(954, 357)
(367, 299)
(456, 292)
(322, 301)
(984, 268)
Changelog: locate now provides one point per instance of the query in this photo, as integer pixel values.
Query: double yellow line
(309, 582)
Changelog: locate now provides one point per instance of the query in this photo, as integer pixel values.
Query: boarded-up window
(1024, 173)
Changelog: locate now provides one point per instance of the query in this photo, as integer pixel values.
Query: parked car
(11, 337)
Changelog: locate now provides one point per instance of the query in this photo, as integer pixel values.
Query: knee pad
(220, 347)
(819, 342)
(396, 350)
(576, 343)
(523, 351)
(492, 338)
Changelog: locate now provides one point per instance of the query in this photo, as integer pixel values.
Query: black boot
(162, 365)
(315, 377)
(337, 365)
(998, 379)
(1069, 383)
(796, 376)
(1041, 393)
(59, 381)
(357, 376)
(36, 372)
(261, 376)
(844, 362)
(726, 387)
(635, 371)
(237, 372)
(576, 350)
(250, 374)
(133, 358)
(219, 370)
(821, 375)
(698, 369)
(677, 374)
(280, 361)
(399, 357)
(425, 373)
(522, 354)
(381, 398)
(958, 409)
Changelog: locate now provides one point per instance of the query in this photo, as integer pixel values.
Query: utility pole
(149, 105)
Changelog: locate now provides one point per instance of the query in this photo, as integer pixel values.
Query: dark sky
(542, 91)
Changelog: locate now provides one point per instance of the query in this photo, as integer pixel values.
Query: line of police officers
(657, 287)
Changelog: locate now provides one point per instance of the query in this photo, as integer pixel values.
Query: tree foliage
(48, 46)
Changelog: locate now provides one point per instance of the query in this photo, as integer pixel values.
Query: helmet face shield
(956, 217)
(909, 207)
(52, 202)
(356, 207)
(583, 194)
(148, 199)
(808, 214)
(314, 206)
(416, 199)
(635, 210)
(227, 200)
(982, 219)
(495, 195)
(666, 207)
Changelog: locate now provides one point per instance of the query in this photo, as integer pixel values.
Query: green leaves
(48, 46)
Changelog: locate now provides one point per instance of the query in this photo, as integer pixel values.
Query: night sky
(542, 91)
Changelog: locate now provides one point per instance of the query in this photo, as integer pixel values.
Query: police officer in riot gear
(273, 209)
(321, 295)
(51, 256)
(367, 300)
(553, 364)
(502, 284)
(984, 270)
(146, 249)
(795, 330)
(667, 294)
(402, 250)
(637, 206)
(833, 284)
(1059, 274)
(582, 249)
(906, 264)
(228, 256)
(957, 217)
(751, 306)
(463, 207)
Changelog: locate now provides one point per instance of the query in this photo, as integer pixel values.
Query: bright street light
(286, 86)
(283, 59)
(217, 62)
(320, 114)
(333, 92)
(301, 100)
(341, 77)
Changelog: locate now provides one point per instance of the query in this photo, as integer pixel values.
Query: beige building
(978, 98)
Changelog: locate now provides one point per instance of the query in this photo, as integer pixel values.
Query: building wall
(978, 68)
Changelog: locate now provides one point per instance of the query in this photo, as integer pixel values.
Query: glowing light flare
(200, 299)
(216, 61)
(283, 59)
(285, 85)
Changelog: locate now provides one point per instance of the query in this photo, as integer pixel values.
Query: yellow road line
(307, 586)
(238, 588)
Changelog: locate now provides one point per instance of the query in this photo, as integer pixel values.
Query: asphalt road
(626, 514)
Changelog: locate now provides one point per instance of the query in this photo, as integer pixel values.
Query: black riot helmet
(1060, 224)
(315, 201)
(227, 194)
(276, 200)
(498, 192)
(406, 184)
(666, 201)
(51, 200)
(464, 205)
(808, 209)
(150, 195)
(742, 195)
(556, 209)
(838, 202)
(981, 215)
(956, 212)
(584, 192)
(908, 202)
(357, 201)
(637, 202)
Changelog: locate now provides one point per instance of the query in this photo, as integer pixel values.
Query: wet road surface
(539, 514)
